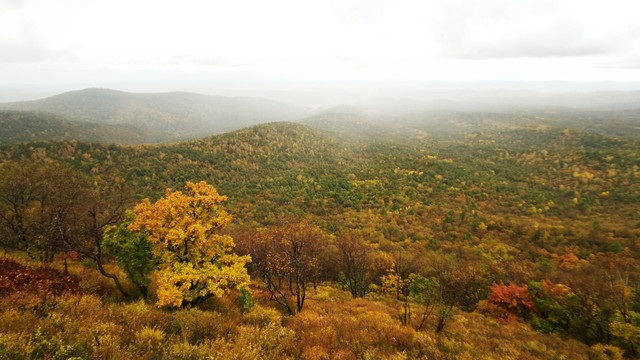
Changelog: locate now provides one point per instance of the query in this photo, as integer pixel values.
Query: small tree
(48, 208)
(36, 200)
(508, 302)
(393, 283)
(550, 306)
(83, 232)
(194, 261)
(425, 292)
(459, 279)
(132, 251)
(286, 257)
(354, 261)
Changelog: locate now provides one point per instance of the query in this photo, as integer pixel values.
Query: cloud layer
(329, 40)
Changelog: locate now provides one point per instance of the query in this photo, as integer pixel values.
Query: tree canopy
(195, 262)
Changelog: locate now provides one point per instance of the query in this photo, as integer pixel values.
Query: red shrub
(508, 302)
(17, 277)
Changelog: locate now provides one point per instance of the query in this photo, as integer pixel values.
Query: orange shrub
(508, 302)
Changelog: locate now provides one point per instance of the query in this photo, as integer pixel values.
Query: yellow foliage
(263, 316)
(329, 328)
(271, 342)
(107, 346)
(194, 261)
(315, 353)
(149, 338)
(607, 352)
(184, 350)
(391, 282)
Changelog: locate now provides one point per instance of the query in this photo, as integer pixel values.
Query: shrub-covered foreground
(41, 325)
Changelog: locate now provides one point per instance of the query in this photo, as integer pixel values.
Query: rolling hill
(27, 126)
(528, 206)
(110, 116)
(161, 117)
(349, 123)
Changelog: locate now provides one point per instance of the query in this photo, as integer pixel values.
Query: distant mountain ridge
(112, 116)
(28, 126)
(352, 124)
(161, 117)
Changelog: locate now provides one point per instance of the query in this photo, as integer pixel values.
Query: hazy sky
(251, 42)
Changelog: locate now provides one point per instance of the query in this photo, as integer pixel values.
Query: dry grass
(332, 326)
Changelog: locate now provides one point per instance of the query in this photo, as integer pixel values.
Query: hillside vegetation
(19, 126)
(498, 238)
(161, 117)
(138, 118)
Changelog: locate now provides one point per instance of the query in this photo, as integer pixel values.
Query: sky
(254, 43)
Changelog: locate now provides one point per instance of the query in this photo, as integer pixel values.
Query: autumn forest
(341, 234)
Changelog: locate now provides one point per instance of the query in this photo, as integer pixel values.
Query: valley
(436, 233)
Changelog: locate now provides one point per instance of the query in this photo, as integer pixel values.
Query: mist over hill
(111, 116)
(161, 117)
(28, 126)
(530, 198)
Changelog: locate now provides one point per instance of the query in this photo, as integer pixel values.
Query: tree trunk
(443, 316)
(112, 277)
(425, 315)
(143, 290)
(440, 324)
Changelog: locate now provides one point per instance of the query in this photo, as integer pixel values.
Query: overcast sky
(253, 42)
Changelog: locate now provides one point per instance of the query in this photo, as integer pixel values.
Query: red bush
(508, 302)
(17, 277)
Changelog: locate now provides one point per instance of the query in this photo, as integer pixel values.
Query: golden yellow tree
(195, 262)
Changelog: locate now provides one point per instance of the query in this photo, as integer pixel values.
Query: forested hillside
(18, 126)
(494, 239)
(161, 117)
(110, 116)
(622, 123)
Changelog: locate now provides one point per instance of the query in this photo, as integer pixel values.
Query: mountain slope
(166, 116)
(348, 123)
(625, 124)
(21, 126)
(529, 206)
(506, 171)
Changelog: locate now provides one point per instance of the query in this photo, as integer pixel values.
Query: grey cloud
(631, 63)
(26, 48)
(30, 47)
(217, 61)
(7, 5)
(554, 43)
(517, 29)
(31, 52)
(20, 51)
